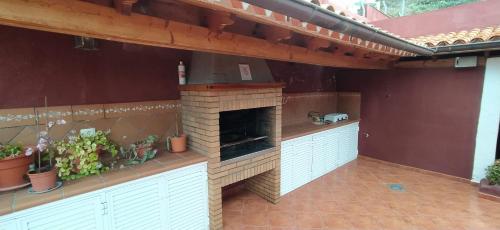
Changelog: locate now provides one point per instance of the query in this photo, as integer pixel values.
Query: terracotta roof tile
(491, 33)
(239, 7)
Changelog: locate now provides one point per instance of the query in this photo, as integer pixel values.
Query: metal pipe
(311, 13)
(466, 48)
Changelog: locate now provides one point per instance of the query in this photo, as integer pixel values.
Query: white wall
(489, 118)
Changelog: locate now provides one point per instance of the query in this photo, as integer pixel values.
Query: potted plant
(80, 156)
(491, 184)
(178, 142)
(141, 151)
(43, 174)
(14, 163)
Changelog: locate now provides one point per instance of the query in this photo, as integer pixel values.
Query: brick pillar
(200, 119)
(267, 185)
(215, 204)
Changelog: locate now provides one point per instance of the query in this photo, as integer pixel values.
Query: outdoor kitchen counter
(21, 199)
(302, 129)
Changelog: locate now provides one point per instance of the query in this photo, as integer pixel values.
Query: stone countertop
(20, 199)
(302, 129)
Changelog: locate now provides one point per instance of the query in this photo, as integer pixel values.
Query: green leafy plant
(493, 173)
(10, 151)
(80, 156)
(141, 151)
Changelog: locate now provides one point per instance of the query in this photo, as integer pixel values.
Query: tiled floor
(357, 196)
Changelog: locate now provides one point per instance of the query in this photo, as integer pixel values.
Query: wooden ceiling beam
(124, 6)
(262, 19)
(275, 34)
(86, 19)
(316, 43)
(217, 20)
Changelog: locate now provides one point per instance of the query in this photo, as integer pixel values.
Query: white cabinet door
(319, 154)
(348, 143)
(287, 156)
(354, 129)
(343, 141)
(82, 212)
(137, 205)
(302, 161)
(187, 198)
(11, 224)
(331, 159)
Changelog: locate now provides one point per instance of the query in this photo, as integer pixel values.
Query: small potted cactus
(178, 142)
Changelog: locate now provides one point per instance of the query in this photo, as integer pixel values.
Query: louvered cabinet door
(9, 224)
(319, 154)
(332, 151)
(187, 198)
(287, 156)
(137, 205)
(84, 212)
(302, 173)
(344, 146)
(354, 140)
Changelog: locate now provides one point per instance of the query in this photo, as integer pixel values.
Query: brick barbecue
(202, 106)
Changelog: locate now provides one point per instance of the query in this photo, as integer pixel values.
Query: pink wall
(300, 78)
(372, 14)
(453, 19)
(425, 118)
(35, 64)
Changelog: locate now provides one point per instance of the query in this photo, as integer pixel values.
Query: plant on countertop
(14, 163)
(141, 151)
(80, 155)
(493, 173)
(43, 174)
(9, 151)
(178, 142)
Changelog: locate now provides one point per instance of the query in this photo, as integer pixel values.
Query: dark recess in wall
(300, 78)
(425, 118)
(35, 64)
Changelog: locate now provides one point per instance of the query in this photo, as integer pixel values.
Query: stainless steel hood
(209, 68)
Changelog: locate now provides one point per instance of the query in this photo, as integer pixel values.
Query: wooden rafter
(274, 34)
(217, 20)
(86, 19)
(210, 4)
(124, 6)
(316, 43)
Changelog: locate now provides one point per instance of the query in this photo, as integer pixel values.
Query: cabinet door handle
(104, 208)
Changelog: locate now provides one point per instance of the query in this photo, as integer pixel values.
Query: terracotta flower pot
(178, 144)
(43, 181)
(142, 150)
(12, 171)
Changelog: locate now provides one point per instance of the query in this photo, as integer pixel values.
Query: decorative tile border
(17, 117)
(128, 109)
(27, 116)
